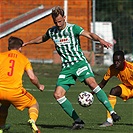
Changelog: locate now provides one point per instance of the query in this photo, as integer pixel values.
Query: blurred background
(111, 20)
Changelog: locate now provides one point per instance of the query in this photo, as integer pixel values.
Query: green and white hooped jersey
(67, 43)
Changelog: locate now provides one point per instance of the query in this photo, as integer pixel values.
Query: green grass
(52, 119)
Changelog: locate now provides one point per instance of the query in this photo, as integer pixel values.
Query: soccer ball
(85, 99)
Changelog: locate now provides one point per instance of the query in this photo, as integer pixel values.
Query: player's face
(60, 22)
(118, 62)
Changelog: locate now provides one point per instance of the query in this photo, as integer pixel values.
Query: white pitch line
(38, 90)
(28, 89)
(76, 103)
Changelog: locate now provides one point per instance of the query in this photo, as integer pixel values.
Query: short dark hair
(119, 52)
(56, 11)
(14, 43)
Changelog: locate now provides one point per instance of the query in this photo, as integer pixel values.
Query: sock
(102, 97)
(110, 120)
(33, 113)
(112, 100)
(67, 107)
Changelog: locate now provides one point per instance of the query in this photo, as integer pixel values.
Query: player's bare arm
(103, 83)
(34, 41)
(37, 40)
(45, 38)
(95, 37)
(34, 80)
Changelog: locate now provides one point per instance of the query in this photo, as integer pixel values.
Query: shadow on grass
(126, 124)
(54, 126)
(123, 124)
(99, 129)
(67, 127)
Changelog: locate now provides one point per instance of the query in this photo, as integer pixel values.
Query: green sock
(102, 97)
(67, 107)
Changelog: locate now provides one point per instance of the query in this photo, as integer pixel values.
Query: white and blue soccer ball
(85, 99)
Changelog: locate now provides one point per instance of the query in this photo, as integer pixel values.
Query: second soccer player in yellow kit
(13, 64)
(123, 70)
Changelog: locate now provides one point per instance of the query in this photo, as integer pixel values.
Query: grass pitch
(52, 119)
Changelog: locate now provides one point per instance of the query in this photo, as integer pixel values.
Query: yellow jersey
(12, 67)
(125, 76)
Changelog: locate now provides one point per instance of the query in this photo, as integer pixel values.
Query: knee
(116, 91)
(57, 95)
(113, 91)
(59, 92)
(36, 105)
(91, 83)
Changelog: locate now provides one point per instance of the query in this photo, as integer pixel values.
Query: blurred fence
(120, 14)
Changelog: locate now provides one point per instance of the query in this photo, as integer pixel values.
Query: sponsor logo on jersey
(80, 70)
(62, 41)
(62, 76)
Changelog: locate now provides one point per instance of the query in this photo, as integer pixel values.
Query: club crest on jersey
(66, 33)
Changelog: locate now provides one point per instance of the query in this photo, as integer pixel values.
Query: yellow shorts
(127, 92)
(19, 98)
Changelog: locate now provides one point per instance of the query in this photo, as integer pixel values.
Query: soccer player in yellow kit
(123, 70)
(13, 64)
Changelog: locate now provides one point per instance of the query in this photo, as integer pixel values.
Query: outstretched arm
(34, 80)
(103, 83)
(37, 40)
(95, 37)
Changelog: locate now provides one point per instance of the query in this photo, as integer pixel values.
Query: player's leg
(66, 105)
(3, 115)
(109, 121)
(102, 97)
(84, 73)
(87, 76)
(23, 99)
(116, 91)
(33, 110)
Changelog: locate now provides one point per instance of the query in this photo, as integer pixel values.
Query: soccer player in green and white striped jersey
(74, 64)
(67, 43)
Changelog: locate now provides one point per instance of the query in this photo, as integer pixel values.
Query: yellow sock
(112, 100)
(33, 114)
